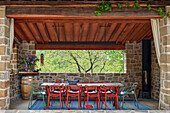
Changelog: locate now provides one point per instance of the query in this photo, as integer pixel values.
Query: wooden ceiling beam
(80, 3)
(18, 38)
(148, 32)
(82, 12)
(85, 20)
(79, 47)
(62, 35)
(20, 32)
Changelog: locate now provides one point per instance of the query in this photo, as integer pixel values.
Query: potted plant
(30, 63)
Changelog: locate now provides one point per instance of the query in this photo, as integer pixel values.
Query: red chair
(92, 91)
(74, 91)
(55, 91)
(111, 91)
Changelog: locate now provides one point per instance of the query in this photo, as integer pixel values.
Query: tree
(83, 61)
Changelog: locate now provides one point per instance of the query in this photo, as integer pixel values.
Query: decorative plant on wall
(106, 6)
(30, 62)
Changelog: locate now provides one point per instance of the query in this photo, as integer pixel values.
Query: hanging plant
(106, 6)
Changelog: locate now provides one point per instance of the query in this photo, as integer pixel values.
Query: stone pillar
(165, 62)
(4, 60)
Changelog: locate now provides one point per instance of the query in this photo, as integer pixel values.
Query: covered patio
(25, 29)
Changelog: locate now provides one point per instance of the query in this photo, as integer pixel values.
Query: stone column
(165, 62)
(4, 60)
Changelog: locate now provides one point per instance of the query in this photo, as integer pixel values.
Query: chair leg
(136, 101)
(44, 101)
(30, 102)
(60, 101)
(67, 103)
(105, 102)
(48, 102)
(84, 101)
(99, 102)
(87, 102)
(117, 103)
(123, 101)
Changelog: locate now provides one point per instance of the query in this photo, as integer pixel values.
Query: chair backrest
(134, 86)
(52, 88)
(73, 88)
(92, 88)
(34, 88)
(114, 90)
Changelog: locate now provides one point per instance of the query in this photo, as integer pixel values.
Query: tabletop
(83, 84)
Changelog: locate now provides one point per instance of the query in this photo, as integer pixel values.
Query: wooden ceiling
(46, 30)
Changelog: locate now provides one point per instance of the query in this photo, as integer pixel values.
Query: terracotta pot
(137, 93)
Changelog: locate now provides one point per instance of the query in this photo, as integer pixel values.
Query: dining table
(84, 84)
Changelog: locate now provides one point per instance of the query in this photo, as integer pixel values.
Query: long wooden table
(83, 84)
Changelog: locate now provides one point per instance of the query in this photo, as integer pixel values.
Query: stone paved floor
(23, 104)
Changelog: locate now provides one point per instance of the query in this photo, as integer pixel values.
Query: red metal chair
(111, 91)
(59, 81)
(55, 91)
(92, 91)
(74, 91)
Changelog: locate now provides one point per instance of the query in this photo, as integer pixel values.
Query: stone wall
(4, 60)
(19, 51)
(165, 62)
(14, 77)
(155, 74)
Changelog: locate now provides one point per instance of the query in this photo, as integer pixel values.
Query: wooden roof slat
(76, 35)
(85, 31)
(68, 31)
(52, 32)
(101, 34)
(35, 31)
(19, 39)
(46, 31)
(61, 31)
(92, 32)
(110, 31)
(27, 31)
(41, 31)
(145, 33)
(122, 26)
(125, 32)
(136, 31)
(20, 32)
(130, 33)
(140, 32)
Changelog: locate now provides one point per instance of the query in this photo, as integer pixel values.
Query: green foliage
(127, 5)
(119, 5)
(149, 6)
(136, 5)
(98, 13)
(109, 61)
(105, 6)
